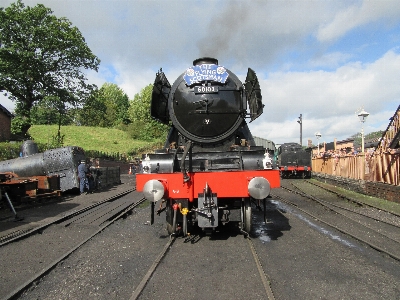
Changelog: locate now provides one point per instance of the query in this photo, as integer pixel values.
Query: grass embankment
(107, 140)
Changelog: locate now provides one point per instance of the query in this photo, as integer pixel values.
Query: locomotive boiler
(60, 162)
(210, 170)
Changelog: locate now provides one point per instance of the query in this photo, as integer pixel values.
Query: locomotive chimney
(205, 60)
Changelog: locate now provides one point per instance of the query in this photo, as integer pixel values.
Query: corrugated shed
(264, 143)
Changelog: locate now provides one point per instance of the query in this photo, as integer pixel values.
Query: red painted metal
(232, 184)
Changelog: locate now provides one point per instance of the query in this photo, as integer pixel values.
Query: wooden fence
(383, 167)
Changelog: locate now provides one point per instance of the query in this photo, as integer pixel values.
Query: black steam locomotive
(210, 169)
(294, 161)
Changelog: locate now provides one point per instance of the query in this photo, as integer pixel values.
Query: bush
(9, 150)
(12, 150)
(145, 131)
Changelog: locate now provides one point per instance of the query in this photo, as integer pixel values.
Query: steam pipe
(188, 146)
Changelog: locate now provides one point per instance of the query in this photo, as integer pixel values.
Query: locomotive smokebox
(207, 104)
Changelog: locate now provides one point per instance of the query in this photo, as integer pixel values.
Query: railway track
(174, 248)
(381, 216)
(167, 251)
(70, 217)
(380, 233)
(100, 215)
(351, 199)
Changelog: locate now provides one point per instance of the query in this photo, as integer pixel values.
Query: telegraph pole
(300, 121)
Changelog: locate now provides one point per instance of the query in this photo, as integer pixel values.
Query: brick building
(335, 145)
(5, 124)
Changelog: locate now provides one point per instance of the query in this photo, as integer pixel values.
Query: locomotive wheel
(246, 208)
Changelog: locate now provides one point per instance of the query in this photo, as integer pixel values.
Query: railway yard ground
(313, 245)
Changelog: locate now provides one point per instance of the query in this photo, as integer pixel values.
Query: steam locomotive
(210, 170)
(294, 161)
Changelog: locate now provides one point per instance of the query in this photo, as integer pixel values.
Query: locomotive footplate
(207, 212)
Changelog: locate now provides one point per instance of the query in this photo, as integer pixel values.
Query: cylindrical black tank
(207, 103)
(61, 161)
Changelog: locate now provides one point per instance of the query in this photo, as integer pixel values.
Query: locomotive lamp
(318, 136)
(363, 117)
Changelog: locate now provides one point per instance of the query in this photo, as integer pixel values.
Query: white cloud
(358, 14)
(329, 100)
(330, 60)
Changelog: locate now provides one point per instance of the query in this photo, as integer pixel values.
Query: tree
(51, 111)
(42, 55)
(139, 107)
(107, 107)
(117, 103)
(139, 113)
(372, 135)
(93, 112)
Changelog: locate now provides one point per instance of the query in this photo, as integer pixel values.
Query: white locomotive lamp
(146, 166)
(204, 174)
(267, 161)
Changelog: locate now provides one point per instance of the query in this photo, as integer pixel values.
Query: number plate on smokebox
(205, 89)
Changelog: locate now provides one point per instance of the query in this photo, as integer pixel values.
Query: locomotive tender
(210, 169)
(294, 161)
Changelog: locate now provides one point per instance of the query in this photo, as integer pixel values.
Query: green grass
(107, 140)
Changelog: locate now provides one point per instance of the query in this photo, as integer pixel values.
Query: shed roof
(5, 110)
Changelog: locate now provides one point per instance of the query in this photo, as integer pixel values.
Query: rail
(118, 214)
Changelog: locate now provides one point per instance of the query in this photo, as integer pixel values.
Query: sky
(323, 59)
